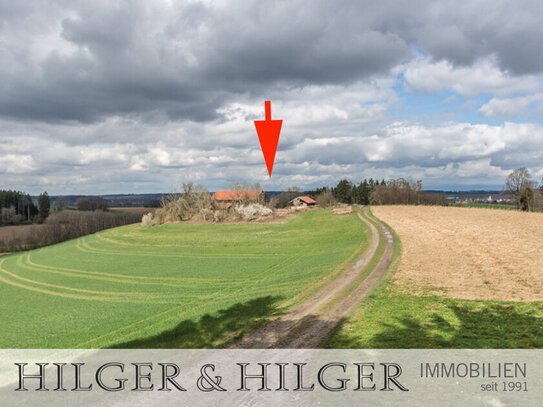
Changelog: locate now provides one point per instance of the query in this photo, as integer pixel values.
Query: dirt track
(309, 324)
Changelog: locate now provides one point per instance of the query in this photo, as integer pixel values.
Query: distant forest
(375, 192)
(16, 207)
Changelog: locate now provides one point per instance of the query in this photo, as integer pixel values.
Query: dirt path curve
(309, 324)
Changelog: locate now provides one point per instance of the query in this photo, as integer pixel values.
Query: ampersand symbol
(206, 382)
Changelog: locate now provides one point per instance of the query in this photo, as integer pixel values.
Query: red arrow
(268, 133)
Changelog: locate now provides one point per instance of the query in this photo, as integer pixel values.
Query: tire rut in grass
(309, 324)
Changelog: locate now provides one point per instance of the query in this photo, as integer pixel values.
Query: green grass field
(168, 286)
(486, 206)
(396, 320)
(390, 318)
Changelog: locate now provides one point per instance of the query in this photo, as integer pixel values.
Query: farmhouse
(303, 201)
(225, 199)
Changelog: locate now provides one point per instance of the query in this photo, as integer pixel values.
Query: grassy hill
(169, 286)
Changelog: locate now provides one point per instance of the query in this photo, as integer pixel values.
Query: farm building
(303, 201)
(226, 198)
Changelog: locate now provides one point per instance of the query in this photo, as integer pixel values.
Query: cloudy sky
(140, 96)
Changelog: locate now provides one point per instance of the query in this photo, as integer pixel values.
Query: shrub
(147, 220)
(219, 216)
(207, 214)
(252, 211)
(160, 216)
(194, 200)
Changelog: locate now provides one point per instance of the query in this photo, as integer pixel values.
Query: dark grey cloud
(465, 32)
(185, 60)
(188, 59)
(509, 30)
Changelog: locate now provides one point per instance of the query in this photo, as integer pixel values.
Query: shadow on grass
(209, 329)
(489, 326)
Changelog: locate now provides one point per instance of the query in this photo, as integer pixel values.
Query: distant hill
(475, 194)
(114, 200)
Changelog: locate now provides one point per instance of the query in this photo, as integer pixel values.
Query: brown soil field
(468, 253)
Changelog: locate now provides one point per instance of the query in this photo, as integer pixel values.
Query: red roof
(307, 200)
(237, 195)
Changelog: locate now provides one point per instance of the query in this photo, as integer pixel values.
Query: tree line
(16, 207)
(375, 192)
(91, 203)
(61, 226)
(524, 191)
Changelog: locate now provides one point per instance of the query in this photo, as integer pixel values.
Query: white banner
(271, 377)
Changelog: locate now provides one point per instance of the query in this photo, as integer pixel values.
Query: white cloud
(17, 163)
(484, 76)
(324, 152)
(511, 107)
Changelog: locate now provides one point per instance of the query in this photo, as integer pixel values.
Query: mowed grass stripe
(120, 278)
(110, 241)
(114, 293)
(84, 246)
(303, 252)
(135, 294)
(139, 299)
(180, 294)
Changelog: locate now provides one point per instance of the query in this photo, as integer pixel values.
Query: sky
(140, 96)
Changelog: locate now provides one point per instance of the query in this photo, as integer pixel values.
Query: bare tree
(326, 198)
(516, 180)
(60, 204)
(520, 186)
(194, 199)
(403, 192)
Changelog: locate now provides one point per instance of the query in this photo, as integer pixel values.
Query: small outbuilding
(303, 201)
